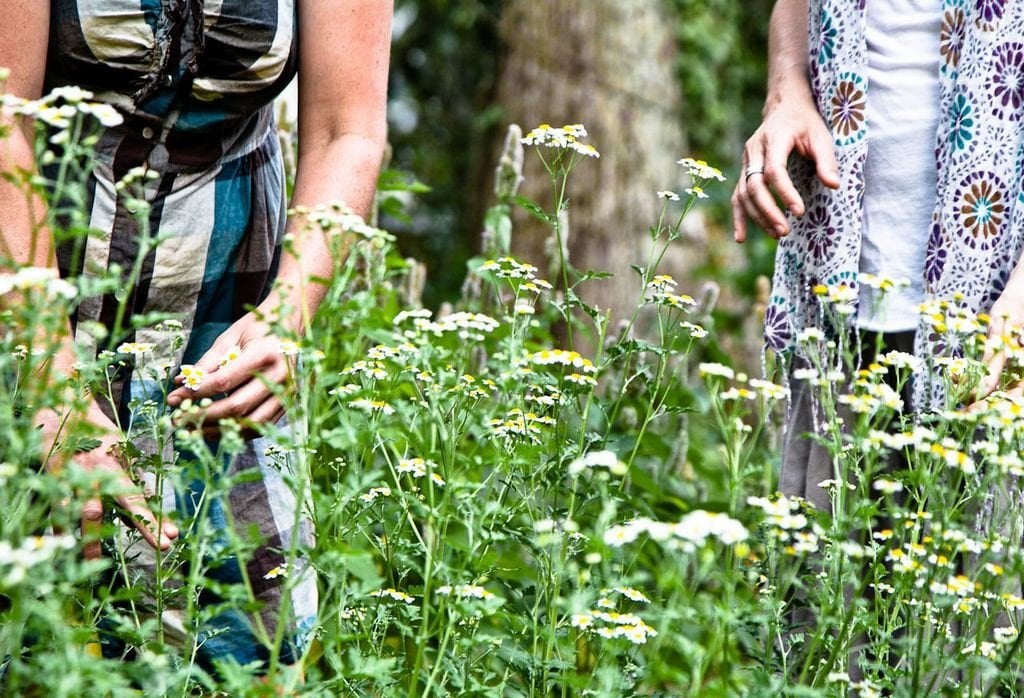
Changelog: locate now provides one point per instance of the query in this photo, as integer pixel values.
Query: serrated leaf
(86, 444)
(533, 209)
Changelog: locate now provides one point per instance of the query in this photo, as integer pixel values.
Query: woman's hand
(790, 125)
(1007, 315)
(237, 372)
(105, 463)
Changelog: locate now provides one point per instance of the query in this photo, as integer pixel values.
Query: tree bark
(608, 64)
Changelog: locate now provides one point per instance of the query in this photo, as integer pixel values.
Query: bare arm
(343, 66)
(790, 122)
(25, 240)
(23, 51)
(787, 54)
(343, 71)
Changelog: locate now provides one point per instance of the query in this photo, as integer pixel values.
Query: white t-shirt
(900, 171)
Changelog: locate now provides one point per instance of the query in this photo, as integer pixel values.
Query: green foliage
(500, 515)
(443, 71)
(721, 68)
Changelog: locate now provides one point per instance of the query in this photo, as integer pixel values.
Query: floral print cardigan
(977, 228)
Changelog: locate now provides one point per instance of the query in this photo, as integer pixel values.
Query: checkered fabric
(195, 81)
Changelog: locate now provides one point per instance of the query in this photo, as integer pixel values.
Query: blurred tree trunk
(608, 64)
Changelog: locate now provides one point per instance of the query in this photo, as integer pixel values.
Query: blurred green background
(447, 116)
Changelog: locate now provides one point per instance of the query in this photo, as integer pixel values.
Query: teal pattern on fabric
(977, 230)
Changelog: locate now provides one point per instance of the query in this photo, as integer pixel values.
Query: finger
(223, 379)
(995, 364)
(739, 219)
(776, 176)
(138, 513)
(771, 217)
(821, 149)
(269, 412)
(247, 398)
(993, 357)
(92, 524)
(754, 212)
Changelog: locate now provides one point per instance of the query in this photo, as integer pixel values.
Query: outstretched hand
(236, 373)
(104, 461)
(1007, 317)
(787, 127)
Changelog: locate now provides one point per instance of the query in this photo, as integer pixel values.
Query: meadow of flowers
(519, 496)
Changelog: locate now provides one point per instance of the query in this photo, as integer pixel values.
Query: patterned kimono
(977, 228)
(195, 82)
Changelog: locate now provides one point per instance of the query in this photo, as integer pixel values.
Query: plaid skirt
(204, 252)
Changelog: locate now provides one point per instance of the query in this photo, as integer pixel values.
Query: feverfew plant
(516, 495)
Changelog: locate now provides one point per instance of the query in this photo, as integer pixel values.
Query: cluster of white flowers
(43, 279)
(192, 376)
(597, 459)
(691, 532)
(785, 522)
(679, 301)
(17, 561)
(628, 592)
(231, 355)
(887, 486)
(279, 571)
(659, 292)
(841, 297)
(561, 357)
(716, 370)
(417, 467)
(371, 496)
(781, 512)
(758, 388)
(701, 170)
(901, 360)
(470, 326)
(59, 108)
(881, 283)
(372, 406)
(864, 689)
(393, 594)
(465, 591)
(519, 424)
(925, 442)
(135, 348)
(510, 268)
(564, 138)
(613, 625)
(870, 396)
(339, 217)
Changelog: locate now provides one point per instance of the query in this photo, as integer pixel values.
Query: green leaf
(594, 274)
(396, 180)
(86, 443)
(534, 209)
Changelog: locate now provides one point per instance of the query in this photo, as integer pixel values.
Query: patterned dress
(194, 81)
(977, 222)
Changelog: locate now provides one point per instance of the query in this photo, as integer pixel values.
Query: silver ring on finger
(751, 171)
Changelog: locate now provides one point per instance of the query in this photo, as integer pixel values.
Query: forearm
(339, 169)
(787, 53)
(25, 240)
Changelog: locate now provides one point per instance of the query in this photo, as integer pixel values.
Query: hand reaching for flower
(1007, 318)
(105, 463)
(237, 373)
